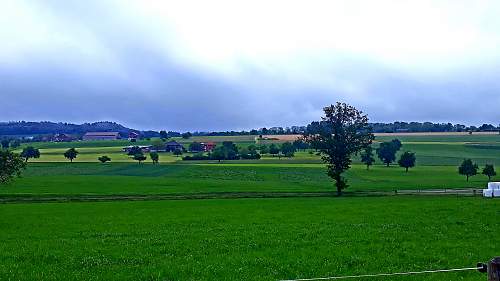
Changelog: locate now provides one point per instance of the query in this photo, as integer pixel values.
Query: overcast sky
(221, 65)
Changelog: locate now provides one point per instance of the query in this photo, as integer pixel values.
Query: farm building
(172, 146)
(202, 146)
(62, 138)
(133, 136)
(101, 136)
(208, 146)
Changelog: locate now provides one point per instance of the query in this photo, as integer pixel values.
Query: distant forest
(24, 128)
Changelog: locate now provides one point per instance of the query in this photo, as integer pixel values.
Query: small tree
(386, 152)
(219, 153)
(195, 146)
(177, 152)
(155, 157)
(288, 149)
(489, 171)
(186, 135)
(163, 134)
(103, 159)
(158, 145)
(71, 154)
(407, 160)
(5, 143)
(15, 143)
(468, 168)
(367, 157)
(396, 144)
(134, 150)
(30, 152)
(274, 149)
(139, 157)
(263, 149)
(11, 165)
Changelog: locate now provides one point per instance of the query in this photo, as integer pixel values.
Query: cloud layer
(234, 65)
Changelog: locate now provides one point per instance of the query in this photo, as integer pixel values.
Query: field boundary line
(33, 198)
(385, 274)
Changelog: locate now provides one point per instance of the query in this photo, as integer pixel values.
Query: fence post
(494, 269)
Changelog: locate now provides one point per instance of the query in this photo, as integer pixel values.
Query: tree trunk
(367, 167)
(407, 169)
(467, 177)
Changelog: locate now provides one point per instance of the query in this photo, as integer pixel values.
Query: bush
(197, 156)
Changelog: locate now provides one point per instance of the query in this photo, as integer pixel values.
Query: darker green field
(132, 178)
(248, 239)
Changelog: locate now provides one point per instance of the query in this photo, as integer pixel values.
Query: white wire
(384, 274)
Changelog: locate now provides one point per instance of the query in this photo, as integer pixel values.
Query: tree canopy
(11, 165)
(71, 154)
(386, 151)
(468, 168)
(367, 157)
(30, 152)
(407, 160)
(104, 159)
(155, 157)
(489, 171)
(139, 157)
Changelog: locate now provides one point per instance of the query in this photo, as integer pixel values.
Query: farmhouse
(202, 146)
(132, 136)
(208, 146)
(62, 138)
(173, 146)
(101, 136)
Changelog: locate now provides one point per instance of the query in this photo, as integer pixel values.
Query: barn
(101, 136)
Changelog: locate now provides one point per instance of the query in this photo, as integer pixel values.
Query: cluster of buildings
(172, 146)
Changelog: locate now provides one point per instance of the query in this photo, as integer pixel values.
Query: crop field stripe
(386, 274)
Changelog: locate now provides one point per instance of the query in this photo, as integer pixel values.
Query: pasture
(247, 239)
(446, 150)
(135, 179)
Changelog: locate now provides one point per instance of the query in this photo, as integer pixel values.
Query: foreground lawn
(123, 178)
(247, 239)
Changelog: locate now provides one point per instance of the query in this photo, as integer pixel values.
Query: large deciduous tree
(344, 131)
(11, 165)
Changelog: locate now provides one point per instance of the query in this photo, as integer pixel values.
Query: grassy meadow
(246, 239)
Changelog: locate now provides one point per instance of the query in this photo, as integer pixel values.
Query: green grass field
(247, 239)
(430, 150)
(132, 178)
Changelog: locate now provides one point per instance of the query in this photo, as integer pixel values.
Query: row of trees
(386, 152)
(468, 168)
(229, 151)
